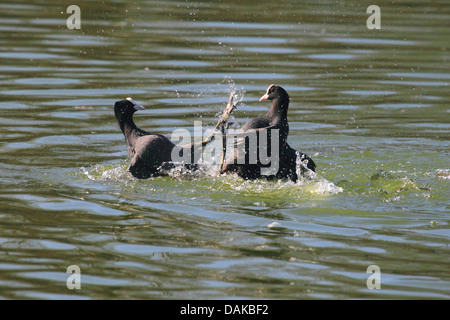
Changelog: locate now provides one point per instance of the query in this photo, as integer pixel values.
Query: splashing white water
(319, 184)
(99, 172)
(443, 174)
(308, 180)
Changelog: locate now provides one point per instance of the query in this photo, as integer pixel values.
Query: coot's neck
(279, 108)
(126, 124)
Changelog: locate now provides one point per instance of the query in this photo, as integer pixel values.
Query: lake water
(371, 107)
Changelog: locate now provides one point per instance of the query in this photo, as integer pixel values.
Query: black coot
(148, 151)
(275, 118)
(151, 153)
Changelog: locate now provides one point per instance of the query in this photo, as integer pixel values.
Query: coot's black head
(275, 93)
(124, 109)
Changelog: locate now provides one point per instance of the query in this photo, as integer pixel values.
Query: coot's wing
(256, 123)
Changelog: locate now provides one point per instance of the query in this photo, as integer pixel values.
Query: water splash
(301, 168)
(313, 181)
(183, 171)
(443, 174)
(308, 181)
(231, 88)
(100, 172)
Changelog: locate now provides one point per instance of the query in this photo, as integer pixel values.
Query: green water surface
(371, 107)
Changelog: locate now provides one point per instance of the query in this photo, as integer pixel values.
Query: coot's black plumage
(151, 153)
(275, 118)
(148, 151)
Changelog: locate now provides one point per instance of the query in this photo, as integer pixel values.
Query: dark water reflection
(370, 106)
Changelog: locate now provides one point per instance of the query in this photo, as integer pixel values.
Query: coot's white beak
(266, 96)
(136, 105)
